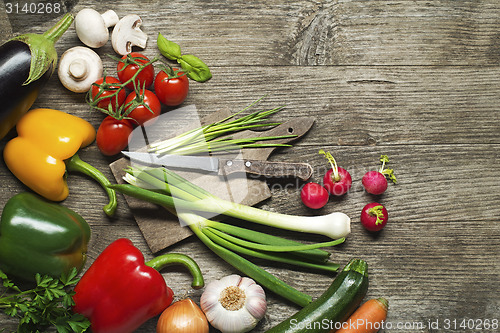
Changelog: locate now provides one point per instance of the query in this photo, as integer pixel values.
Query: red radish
(314, 195)
(375, 182)
(337, 180)
(374, 216)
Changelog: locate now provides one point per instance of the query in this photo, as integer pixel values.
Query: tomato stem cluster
(122, 111)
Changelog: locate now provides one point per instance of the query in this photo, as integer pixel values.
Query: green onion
(334, 225)
(216, 137)
(221, 239)
(166, 188)
(315, 255)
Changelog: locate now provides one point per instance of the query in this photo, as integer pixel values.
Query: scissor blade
(175, 161)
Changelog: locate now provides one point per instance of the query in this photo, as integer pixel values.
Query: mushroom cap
(127, 33)
(79, 67)
(92, 27)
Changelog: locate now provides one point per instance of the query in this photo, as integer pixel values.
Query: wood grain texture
(416, 80)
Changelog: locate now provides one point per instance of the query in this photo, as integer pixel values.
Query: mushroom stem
(78, 69)
(110, 18)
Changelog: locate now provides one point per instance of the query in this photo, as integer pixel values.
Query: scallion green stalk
(215, 137)
(248, 268)
(334, 225)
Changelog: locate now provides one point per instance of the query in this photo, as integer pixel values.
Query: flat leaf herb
(47, 305)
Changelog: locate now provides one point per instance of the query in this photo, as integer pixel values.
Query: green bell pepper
(38, 236)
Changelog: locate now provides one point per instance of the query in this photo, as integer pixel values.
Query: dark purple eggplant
(26, 64)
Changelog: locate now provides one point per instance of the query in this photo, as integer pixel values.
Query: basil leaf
(195, 68)
(168, 49)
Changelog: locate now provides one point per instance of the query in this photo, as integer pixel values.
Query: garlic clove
(256, 301)
(236, 322)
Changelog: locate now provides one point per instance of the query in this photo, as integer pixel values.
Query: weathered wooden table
(416, 80)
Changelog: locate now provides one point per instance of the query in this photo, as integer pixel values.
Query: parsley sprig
(46, 305)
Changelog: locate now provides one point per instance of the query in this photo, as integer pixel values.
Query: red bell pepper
(119, 292)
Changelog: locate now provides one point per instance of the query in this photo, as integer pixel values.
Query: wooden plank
(310, 33)
(388, 105)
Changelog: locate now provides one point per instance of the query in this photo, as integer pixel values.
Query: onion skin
(184, 316)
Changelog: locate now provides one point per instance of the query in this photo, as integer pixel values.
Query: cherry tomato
(113, 135)
(141, 114)
(171, 91)
(314, 195)
(126, 69)
(115, 100)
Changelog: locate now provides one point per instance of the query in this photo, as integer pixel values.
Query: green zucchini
(334, 306)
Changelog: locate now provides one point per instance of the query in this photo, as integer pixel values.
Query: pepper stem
(165, 260)
(76, 164)
(59, 28)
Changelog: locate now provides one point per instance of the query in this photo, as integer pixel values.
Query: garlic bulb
(234, 304)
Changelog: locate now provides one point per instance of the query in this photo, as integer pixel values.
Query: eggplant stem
(54, 33)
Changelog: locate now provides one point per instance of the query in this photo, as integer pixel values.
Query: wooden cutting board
(162, 229)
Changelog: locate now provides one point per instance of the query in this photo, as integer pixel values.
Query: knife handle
(266, 168)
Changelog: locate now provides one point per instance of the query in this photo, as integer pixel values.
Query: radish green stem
(387, 172)
(378, 212)
(333, 163)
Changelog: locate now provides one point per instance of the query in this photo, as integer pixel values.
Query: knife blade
(224, 166)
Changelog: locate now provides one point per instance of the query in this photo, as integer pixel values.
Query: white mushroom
(92, 27)
(127, 33)
(79, 67)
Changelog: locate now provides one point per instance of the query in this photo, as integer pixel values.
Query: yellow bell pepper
(46, 147)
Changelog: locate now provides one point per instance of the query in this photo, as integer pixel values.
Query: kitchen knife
(224, 166)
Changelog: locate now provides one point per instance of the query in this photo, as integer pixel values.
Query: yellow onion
(183, 316)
